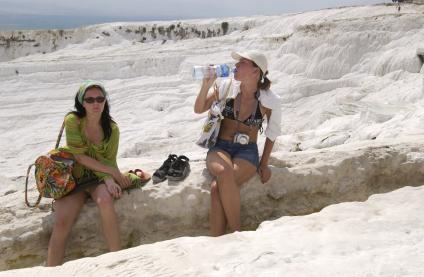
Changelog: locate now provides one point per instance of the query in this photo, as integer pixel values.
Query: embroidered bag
(53, 174)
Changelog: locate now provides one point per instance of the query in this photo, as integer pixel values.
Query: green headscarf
(86, 85)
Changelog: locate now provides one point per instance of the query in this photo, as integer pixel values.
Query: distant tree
(224, 26)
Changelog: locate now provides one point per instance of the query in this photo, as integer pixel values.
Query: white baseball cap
(255, 56)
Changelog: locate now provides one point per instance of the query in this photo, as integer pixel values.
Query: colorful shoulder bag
(53, 173)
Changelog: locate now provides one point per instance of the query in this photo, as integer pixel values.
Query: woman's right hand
(209, 81)
(203, 102)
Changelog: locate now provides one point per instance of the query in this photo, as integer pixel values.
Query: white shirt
(267, 98)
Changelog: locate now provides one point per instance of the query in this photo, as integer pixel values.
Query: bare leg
(66, 211)
(221, 166)
(217, 220)
(109, 217)
(243, 171)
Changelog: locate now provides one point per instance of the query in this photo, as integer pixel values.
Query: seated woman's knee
(224, 172)
(103, 198)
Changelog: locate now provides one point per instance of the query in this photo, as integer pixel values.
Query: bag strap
(26, 190)
(60, 135)
(227, 91)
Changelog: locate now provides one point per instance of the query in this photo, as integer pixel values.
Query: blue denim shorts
(248, 152)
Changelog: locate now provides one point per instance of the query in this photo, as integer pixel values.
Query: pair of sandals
(174, 168)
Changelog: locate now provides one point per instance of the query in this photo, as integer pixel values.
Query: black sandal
(179, 169)
(160, 174)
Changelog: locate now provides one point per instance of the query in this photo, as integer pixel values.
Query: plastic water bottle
(206, 71)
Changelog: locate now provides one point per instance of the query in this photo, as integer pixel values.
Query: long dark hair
(266, 83)
(106, 120)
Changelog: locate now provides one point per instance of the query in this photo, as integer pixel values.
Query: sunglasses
(98, 99)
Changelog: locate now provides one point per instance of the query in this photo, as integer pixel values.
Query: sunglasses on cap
(98, 99)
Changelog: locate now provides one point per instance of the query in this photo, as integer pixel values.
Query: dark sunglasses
(98, 99)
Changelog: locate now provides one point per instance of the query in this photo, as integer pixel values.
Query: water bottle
(206, 71)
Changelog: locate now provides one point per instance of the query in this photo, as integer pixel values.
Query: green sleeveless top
(77, 143)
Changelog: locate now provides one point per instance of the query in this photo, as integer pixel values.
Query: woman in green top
(93, 138)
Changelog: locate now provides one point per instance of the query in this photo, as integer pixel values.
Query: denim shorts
(248, 152)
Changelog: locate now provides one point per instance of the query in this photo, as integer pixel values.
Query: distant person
(235, 158)
(93, 138)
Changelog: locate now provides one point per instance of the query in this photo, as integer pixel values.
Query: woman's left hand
(265, 173)
(113, 188)
(121, 179)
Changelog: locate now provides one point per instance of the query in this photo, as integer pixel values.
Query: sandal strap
(179, 164)
(138, 170)
(168, 162)
(183, 158)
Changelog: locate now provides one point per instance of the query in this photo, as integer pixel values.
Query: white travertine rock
(173, 209)
(382, 236)
(352, 104)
